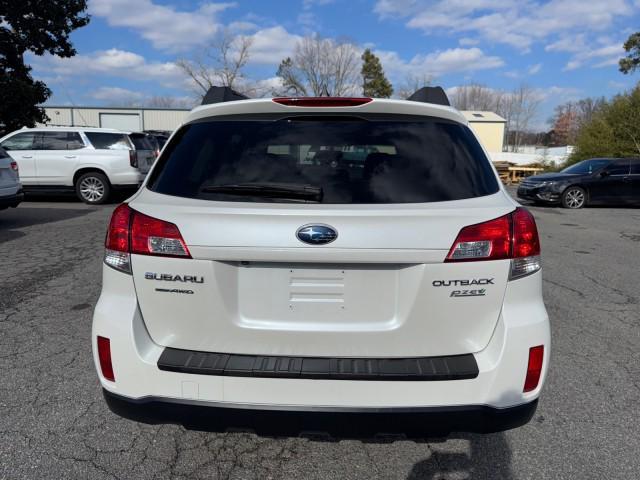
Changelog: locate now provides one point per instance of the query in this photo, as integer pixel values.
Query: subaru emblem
(316, 234)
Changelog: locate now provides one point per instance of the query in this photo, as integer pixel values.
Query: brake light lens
(513, 236)
(322, 101)
(14, 166)
(534, 368)
(526, 242)
(150, 236)
(133, 232)
(133, 158)
(485, 241)
(104, 356)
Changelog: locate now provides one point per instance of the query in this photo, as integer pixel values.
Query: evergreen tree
(374, 84)
(32, 26)
(631, 62)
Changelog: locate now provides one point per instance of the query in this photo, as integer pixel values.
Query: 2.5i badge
(475, 292)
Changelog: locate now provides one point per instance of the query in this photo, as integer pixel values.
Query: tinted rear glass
(141, 142)
(21, 141)
(3, 154)
(351, 160)
(60, 141)
(108, 141)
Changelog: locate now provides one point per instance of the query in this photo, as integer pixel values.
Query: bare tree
(321, 66)
(163, 101)
(477, 97)
(520, 108)
(412, 83)
(222, 64)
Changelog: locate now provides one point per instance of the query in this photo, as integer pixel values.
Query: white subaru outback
(325, 254)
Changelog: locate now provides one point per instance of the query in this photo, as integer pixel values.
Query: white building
(127, 119)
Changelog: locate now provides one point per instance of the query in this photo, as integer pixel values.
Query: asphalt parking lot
(54, 423)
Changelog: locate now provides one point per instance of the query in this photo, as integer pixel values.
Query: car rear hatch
(145, 151)
(375, 291)
(236, 195)
(8, 174)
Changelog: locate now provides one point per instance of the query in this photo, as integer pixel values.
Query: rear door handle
(626, 179)
(70, 156)
(27, 156)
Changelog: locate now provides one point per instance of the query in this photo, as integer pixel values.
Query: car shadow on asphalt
(488, 456)
(468, 455)
(13, 220)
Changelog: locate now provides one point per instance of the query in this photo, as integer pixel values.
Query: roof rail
(222, 94)
(434, 95)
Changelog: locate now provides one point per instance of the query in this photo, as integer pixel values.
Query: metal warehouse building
(128, 119)
(489, 126)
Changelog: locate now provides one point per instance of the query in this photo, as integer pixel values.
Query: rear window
(108, 141)
(349, 160)
(3, 154)
(141, 142)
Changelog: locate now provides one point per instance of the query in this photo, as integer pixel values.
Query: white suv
(246, 273)
(89, 161)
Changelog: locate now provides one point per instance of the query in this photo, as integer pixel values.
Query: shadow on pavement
(12, 220)
(488, 457)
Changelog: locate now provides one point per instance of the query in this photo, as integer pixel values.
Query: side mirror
(604, 174)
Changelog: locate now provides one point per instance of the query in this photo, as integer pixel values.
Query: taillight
(14, 166)
(150, 236)
(133, 232)
(322, 101)
(534, 368)
(104, 356)
(485, 241)
(133, 158)
(513, 236)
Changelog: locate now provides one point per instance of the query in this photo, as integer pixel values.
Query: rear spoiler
(435, 95)
(222, 94)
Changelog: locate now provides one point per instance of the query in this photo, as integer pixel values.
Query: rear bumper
(11, 200)
(501, 365)
(343, 421)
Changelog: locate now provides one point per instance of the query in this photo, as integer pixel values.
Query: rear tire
(93, 188)
(574, 198)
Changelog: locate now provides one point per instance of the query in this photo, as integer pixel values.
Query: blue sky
(566, 49)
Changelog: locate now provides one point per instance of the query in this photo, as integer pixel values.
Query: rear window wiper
(269, 190)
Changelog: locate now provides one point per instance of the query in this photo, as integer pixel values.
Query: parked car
(88, 161)
(160, 136)
(146, 149)
(242, 275)
(10, 187)
(599, 181)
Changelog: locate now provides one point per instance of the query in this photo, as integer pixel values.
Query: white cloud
(165, 27)
(112, 62)
(468, 42)
(116, 94)
(604, 56)
(533, 69)
(438, 63)
(272, 45)
(307, 4)
(516, 23)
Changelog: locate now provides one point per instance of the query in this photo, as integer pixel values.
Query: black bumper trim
(454, 367)
(11, 200)
(343, 421)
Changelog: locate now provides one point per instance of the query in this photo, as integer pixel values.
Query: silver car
(10, 187)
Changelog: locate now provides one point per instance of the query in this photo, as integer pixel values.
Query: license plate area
(317, 297)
